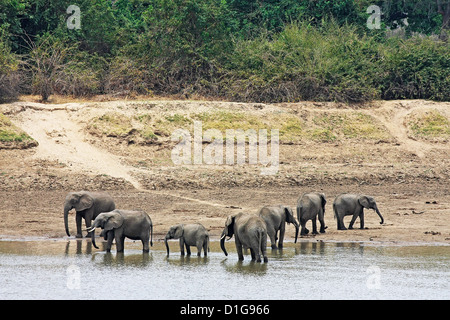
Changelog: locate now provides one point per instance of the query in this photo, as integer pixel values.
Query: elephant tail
(335, 211)
(260, 238)
(207, 242)
(151, 235)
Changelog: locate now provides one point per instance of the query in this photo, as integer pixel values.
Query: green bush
(246, 50)
(9, 66)
(416, 68)
(305, 63)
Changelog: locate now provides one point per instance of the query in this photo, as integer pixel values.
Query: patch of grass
(350, 126)
(322, 135)
(111, 125)
(431, 124)
(223, 120)
(315, 126)
(10, 133)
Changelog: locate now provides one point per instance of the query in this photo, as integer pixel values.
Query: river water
(73, 269)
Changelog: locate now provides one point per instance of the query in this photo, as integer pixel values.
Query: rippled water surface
(307, 270)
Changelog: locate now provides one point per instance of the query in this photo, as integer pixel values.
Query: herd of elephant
(250, 230)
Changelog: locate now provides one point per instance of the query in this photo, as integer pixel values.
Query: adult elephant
(349, 204)
(121, 224)
(249, 231)
(88, 205)
(311, 206)
(276, 218)
(190, 235)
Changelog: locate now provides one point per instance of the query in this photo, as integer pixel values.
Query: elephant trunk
(67, 208)
(92, 231)
(222, 243)
(167, 243)
(379, 214)
(296, 231)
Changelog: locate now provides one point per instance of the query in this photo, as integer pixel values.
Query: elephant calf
(276, 218)
(118, 224)
(348, 204)
(189, 235)
(249, 231)
(309, 207)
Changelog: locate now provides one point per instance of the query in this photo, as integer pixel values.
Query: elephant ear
(229, 225)
(114, 221)
(364, 201)
(179, 230)
(289, 214)
(85, 201)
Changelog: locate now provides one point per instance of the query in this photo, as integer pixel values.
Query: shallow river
(309, 270)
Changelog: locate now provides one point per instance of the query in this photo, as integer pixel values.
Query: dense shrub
(268, 51)
(9, 75)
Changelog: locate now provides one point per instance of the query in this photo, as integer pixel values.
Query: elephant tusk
(90, 229)
(223, 237)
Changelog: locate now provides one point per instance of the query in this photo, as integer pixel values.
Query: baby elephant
(189, 235)
(118, 224)
(348, 204)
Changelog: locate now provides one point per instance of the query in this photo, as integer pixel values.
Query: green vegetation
(10, 133)
(243, 50)
(430, 125)
(316, 126)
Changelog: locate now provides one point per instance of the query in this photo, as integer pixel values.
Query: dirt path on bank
(408, 177)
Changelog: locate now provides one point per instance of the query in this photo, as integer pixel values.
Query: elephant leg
(120, 239)
(253, 254)
(182, 246)
(361, 220)
(322, 222)
(314, 225)
(78, 217)
(272, 236)
(88, 218)
(304, 231)
(145, 245)
(280, 240)
(239, 249)
(205, 247)
(110, 238)
(256, 253)
(188, 249)
(350, 226)
(340, 223)
(199, 245)
(263, 248)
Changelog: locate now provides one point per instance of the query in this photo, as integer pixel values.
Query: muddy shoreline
(408, 176)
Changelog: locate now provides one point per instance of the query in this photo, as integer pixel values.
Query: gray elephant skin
(121, 224)
(249, 231)
(311, 206)
(190, 235)
(348, 204)
(88, 205)
(276, 218)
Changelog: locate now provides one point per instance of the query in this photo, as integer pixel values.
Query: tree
(444, 10)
